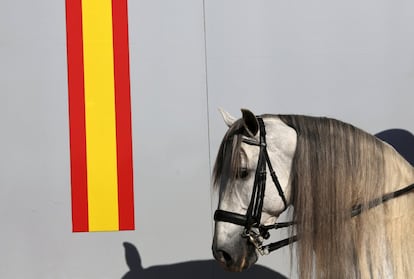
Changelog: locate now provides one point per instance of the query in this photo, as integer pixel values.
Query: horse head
(236, 174)
(348, 190)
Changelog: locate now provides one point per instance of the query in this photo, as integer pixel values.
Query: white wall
(351, 60)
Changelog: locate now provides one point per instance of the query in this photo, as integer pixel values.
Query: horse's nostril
(223, 257)
(227, 257)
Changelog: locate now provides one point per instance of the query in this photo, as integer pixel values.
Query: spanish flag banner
(99, 115)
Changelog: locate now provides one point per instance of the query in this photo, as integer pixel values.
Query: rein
(253, 230)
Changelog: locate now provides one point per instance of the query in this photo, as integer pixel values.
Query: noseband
(253, 230)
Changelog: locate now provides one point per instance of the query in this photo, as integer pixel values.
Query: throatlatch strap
(276, 181)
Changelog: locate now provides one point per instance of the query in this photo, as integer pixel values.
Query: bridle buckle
(257, 240)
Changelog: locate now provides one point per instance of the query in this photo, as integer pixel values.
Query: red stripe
(123, 114)
(77, 115)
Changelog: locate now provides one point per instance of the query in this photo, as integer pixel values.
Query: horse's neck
(398, 172)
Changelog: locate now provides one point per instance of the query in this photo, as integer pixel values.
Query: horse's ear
(250, 122)
(132, 256)
(228, 119)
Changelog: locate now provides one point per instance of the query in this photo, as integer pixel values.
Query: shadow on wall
(401, 140)
(203, 269)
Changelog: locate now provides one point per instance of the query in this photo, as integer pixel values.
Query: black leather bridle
(253, 230)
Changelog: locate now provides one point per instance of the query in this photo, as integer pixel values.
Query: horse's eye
(243, 173)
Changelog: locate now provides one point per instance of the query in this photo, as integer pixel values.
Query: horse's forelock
(229, 153)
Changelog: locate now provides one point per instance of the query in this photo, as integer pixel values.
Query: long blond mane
(335, 167)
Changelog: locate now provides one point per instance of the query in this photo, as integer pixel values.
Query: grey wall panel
(344, 59)
(170, 131)
(349, 60)
(172, 194)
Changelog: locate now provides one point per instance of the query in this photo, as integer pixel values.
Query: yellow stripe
(100, 115)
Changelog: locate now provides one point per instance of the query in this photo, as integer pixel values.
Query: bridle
(256, 232)
(253, 230)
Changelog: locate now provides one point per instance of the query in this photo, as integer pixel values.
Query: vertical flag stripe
(100, 115)
(77, 116)
(123, 114)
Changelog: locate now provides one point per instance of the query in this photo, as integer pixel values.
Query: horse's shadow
(202, 269)
(401, 140)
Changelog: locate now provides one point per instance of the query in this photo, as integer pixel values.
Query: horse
(346, 190)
